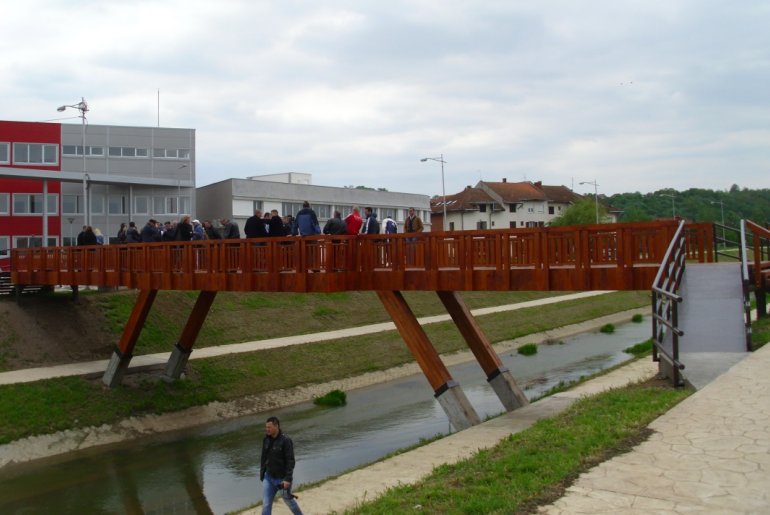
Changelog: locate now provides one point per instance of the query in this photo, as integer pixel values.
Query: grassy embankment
(534, 467)
(64, 403)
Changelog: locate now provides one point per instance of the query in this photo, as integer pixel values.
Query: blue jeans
(269, 488)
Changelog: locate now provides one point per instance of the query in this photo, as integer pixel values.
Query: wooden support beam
(123, 353)
(498, 376)
(448, 392)
(181, 353)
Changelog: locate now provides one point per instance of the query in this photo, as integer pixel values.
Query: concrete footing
(176, 363)
(456, 406)
(509, 393)
(116, 368)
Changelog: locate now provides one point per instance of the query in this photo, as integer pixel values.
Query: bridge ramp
(712, 318)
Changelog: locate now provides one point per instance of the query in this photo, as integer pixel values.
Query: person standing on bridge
(255, 226)
(276, 467)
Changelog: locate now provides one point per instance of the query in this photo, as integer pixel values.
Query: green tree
(581, 212)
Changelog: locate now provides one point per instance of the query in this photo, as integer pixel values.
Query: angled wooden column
(498, 376)
(446, 390)
(181, 353)
(123, 353)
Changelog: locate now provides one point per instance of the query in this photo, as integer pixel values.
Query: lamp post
(596, 196)
(722, 210)
(673, 202)
(440, 159)
(81, 106)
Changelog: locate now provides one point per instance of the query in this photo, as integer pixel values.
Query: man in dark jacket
(229, 229)
(150, 232)
(335, 225)
(306, 222)
(371, 225)
(255, 226)
(276, 228)
(276, 467)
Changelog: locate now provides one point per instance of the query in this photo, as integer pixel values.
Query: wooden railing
(612, 257)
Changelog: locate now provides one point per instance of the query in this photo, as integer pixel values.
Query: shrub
(640, 349)
(607, 329)
(637, 319)
(333, 398)
(528, 349)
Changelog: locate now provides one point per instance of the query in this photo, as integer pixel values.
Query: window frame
(52, 197)
(7, 198)
(7, 146)
(51, 147)
(5, 250)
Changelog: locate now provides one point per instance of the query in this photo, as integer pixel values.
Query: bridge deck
(606, 257)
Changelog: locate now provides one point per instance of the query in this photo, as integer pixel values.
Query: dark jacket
(255, 227)
(276, 227)
(150, 233)
(371, 225)
(306, 223)
(335, 226)
(230, 231)
(133, 236)
(89, 238)
(277, 458)
(184, 232)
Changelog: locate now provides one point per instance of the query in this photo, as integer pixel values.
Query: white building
(502, 205)
(237, 199)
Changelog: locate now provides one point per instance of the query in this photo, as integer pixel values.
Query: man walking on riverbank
(277, 467)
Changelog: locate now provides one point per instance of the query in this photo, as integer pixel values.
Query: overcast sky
(635, 95)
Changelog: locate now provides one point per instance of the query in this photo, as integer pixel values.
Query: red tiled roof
(515, 191)
(560, 194)
(467, 200)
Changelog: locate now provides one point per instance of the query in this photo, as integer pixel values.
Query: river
(215, 468)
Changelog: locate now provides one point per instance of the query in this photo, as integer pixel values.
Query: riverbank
(51, 445)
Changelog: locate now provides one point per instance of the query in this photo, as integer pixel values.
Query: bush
(333, 398)
(607, 329)
(528, 350)
(637, 319)
(640, 349)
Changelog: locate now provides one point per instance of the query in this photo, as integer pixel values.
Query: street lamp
(673, 203)
(440, 159)
(81, 106)
(596, 196)
(722, 209)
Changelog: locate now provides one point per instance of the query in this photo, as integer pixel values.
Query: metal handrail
(747, 286)
(665, 302)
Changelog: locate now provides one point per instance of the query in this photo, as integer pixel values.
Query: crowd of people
(260, 225)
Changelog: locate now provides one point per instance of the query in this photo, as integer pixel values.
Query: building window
(291, 208)
(128, 152)
(141, 205)
(171, 153)
(97, 204)
(4, 204)
(388, 212)
(72, 204)
(4, 250)
(512, 208)
(482, 208)
(185, 206)
(531, 209)
(451, 226)
(28, 242)
(512, 225)
(481, 225)
(32, 204)
(4, 151)
(35, 154)
(142, 152)
(77, 150)
(551, 210)
(116, 205)
(323, 210)
(256, 204)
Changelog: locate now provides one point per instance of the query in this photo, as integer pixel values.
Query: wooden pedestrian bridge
(577, 258)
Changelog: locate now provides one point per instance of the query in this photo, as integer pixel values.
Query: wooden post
(122, 355)
(447, 391)
(498, 376)
(183, 348)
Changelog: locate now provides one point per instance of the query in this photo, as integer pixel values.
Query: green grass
(760, 332)
(528, 349)
(62, 403)
(533, 467)
(640, 349)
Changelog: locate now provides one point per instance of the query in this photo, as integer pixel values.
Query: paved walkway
(709, 454)
(159, 360)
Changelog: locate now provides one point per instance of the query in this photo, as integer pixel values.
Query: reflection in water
(215, 469)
